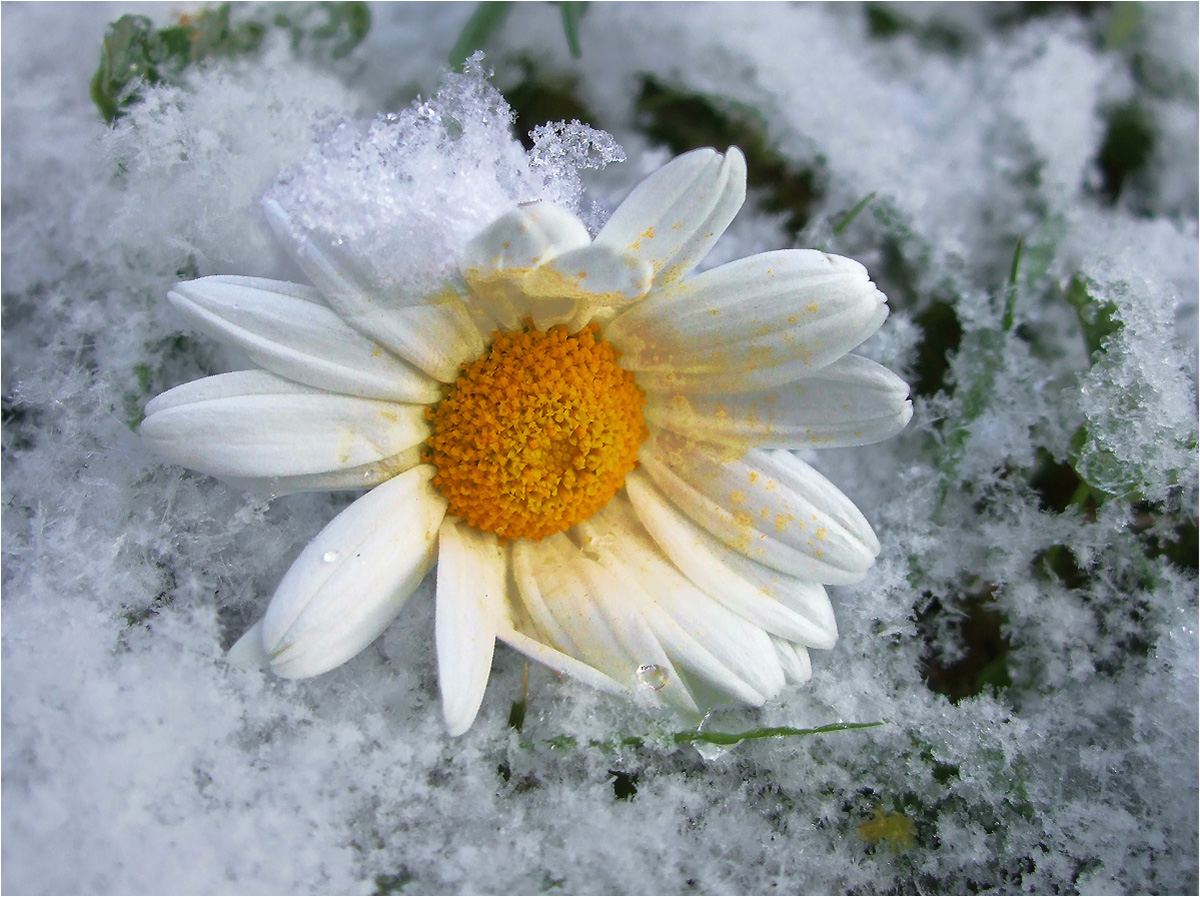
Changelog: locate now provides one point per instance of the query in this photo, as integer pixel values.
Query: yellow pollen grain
(538, 434)
(737, 497)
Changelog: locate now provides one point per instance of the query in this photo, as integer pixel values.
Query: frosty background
(1028, 639)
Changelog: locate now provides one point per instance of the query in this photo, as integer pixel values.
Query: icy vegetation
(1020, 181)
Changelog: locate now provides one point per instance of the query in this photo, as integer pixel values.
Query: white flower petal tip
(782, 605)
(352, 580)
(524, 238)
(852, 401)
(561, 663)
(471, 601)
(673, 217)
(751, 324)
(768, 506)
(248, 653)
(794, 659)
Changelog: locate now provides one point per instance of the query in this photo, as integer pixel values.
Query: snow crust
(135, 760)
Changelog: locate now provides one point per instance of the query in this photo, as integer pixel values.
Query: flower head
(588, 441)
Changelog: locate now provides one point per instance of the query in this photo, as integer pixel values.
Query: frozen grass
(1028, 638)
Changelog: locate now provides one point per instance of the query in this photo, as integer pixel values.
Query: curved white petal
(782, 605)
(673, 217)
(771, 507)
(562, 664)
(434, 333)
(852, 401)
(351, 581)
(795, 660)
(594, 620)
(567, 289)
(751, 324)
(472, 580)
(597, 274)
(290, 334)
(524, 238)
(364, 476)
(251, 424)
(526, 558)
(499, 260)
(700, 635)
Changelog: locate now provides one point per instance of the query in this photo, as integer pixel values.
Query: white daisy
(588, 443)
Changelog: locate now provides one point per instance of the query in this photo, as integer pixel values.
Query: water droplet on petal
(652, 676)
(331, 557)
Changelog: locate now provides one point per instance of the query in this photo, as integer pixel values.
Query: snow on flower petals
(589, 444)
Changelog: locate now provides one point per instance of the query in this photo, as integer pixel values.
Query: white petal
(568, 289)
(523, 239)
(498, 261)
(471, 594)
(698, 634)
(780, 604)
(364, 476)
(598, 624)
(852, 401)
(673, 217)
(248, 651)
(597, 274)
(526, 556)
(655, 671)
(351, 581)
(754, 323)
(795, 660)
(771, 507)
(561, 663)
(283, 328)
(435, 333)
(254, 424)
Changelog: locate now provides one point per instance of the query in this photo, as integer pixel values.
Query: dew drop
(652, 676)
(331, 557)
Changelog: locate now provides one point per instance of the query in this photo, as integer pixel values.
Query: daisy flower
(588, 441)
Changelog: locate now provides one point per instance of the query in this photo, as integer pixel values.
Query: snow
(136, 760)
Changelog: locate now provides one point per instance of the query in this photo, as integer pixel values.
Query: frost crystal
(410, 189)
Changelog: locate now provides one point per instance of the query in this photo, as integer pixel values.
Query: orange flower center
(538, 434)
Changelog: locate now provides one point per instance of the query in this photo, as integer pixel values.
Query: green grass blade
(730, 738)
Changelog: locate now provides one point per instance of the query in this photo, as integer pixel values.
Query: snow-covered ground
(1027, 639)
